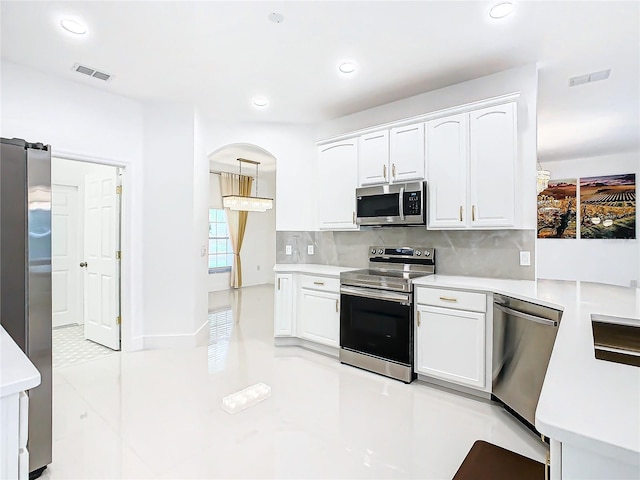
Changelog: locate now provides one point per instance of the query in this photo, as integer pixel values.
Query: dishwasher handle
(525, 316)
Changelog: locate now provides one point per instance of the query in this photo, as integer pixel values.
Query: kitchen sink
(616, 339)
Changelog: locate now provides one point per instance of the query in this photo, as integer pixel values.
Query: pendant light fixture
(542, 178)
(247, 203)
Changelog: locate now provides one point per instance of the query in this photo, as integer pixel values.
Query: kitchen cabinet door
(373, 158)
(450, 345)
(284, 306)
(319, 317)
(406, 153)
(337, 181)
(493, 155)
(447, 169)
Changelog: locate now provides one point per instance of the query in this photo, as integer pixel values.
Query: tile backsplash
(485, 253)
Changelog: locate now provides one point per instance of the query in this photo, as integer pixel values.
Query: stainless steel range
(376, 313)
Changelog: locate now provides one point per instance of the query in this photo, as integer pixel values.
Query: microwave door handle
(400, 203)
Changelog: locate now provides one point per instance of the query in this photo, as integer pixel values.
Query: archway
(258, 250)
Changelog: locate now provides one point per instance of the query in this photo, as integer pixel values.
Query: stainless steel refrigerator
(25, 276)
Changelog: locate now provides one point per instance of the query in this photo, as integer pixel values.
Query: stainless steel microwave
(395, 204)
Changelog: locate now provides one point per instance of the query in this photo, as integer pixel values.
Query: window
(220, 251)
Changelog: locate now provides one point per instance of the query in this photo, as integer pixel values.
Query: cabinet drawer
(439, 297)
(315, 282)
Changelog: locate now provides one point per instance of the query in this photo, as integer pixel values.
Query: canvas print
(608, 206)
(557, 206)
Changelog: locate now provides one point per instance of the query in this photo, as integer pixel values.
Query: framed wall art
(557, 206)
(608, 206)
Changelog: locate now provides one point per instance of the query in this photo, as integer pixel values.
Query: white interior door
(101, 276)
(65, 256)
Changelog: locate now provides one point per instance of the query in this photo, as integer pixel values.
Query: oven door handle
(403, 298)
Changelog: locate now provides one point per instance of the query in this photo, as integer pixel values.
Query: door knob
(84, 264)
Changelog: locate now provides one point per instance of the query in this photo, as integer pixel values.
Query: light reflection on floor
(220, 330)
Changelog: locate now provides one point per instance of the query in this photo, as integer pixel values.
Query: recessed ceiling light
(276, 17)
(347, 67)
(73, 26)
(501, 10)
(260, 102)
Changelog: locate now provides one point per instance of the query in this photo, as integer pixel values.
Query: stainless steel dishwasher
(523, 338)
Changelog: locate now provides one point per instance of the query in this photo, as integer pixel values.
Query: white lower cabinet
(14, 456)
(307, 311)
(284, 305)
(319, 319)
(451, 343)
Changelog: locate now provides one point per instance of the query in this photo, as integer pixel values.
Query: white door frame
(128, 326)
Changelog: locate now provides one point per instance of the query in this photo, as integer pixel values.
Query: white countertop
(591, 403)
(17, 373)
(311, 268)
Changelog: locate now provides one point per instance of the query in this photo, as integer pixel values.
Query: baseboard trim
(185, 340)
(307, 345)
(452, 386)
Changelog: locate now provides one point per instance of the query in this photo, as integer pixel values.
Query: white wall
(173, 205)
(595, 260)
(82, 122)
(165, 191)
(293, 147)
(259, 246)
(522, 79)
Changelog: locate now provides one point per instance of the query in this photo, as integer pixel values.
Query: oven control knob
(427, 253)
(418, 253)
(373, 251)
(380, 251)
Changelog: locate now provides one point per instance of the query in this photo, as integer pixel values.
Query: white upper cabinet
(337, 181)
(447, 165)
(407, 153)
(373, 158)
(471, 165)
(493, 154)
(391, 156)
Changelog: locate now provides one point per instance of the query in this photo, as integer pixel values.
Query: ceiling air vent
(91, 72)
(589, 78)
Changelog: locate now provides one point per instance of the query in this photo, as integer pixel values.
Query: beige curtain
(233, 184)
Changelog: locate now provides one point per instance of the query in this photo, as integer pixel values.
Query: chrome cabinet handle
(318, 283)
(473, 213)
(448, 299)
(337, 306)
(84, 264)
(393, 170)
(278, 284)
(354, 218)
(418, 317)
(460, 212)
(384, 171)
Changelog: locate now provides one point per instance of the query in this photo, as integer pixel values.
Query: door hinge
(118, 320)
(119, 189)
(118, 255)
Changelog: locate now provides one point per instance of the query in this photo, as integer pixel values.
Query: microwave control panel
(412, 203)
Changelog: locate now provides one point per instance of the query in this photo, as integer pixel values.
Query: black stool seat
(486, 461)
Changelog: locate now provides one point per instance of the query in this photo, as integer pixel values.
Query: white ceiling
(218, 55)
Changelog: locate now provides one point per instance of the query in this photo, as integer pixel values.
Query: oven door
(377, 322)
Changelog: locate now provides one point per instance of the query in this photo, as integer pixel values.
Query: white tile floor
(158, 414)
(70, 347)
